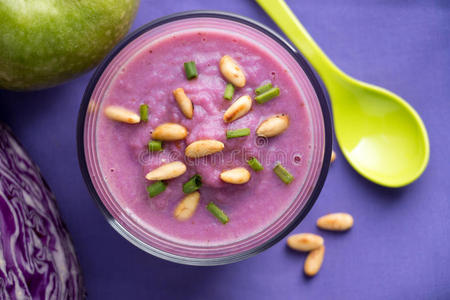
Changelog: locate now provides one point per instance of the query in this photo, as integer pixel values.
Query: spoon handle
(282, 15)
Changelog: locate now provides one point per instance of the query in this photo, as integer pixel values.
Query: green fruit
(46, 42)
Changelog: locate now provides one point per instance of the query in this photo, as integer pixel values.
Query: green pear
(46, 42)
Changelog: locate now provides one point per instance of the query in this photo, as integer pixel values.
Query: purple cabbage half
(37, 258)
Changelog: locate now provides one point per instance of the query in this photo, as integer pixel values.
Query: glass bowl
(314, 95)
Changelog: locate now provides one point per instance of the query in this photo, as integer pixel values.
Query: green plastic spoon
(380, 134)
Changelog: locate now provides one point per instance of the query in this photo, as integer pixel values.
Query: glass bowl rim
(314, 79)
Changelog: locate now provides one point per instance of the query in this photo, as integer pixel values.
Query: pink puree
(149, 77)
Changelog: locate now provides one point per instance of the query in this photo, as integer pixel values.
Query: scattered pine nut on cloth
(304, 241)
(314, 244)
(335, 222)
(314, 261)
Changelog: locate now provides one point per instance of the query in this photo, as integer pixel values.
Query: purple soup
(146, 73)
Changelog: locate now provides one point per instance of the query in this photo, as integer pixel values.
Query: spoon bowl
(380, 134)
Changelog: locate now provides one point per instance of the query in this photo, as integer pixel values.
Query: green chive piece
(193, 184)
(263, 88)
(229, 92)
(255, 164)
(284, 174)
(156, 188)
(154, 146)
(267, 95)
(143, 109)
(238, 133)
(190, 69)
(217, 212)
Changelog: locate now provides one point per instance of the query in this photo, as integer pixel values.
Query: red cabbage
(37, 258)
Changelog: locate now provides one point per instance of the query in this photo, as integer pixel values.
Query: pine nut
(335, 222)
(167, 171)
(235, 176)
(184, 103)
(202, 148)
(169, 132)
(120, 114)
(273, 126)
(238, 109)
(314, 261)
(187, 206)
(304, 241)
(231, 71)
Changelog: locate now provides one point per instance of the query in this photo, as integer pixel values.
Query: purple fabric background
(400, 245)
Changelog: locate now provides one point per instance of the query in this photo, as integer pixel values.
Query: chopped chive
(255, 164)
(154, 146)
(156, 188)
(267, 95)
(217, 212)
(193, 184)
(190, 69)
(284, 174)
(238, 133)
(143, 109)
(229, 92)
(263, 88)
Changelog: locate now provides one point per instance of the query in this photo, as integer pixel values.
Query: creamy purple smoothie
(149, 76)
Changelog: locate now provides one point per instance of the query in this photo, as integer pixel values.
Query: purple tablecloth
(399, 247)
